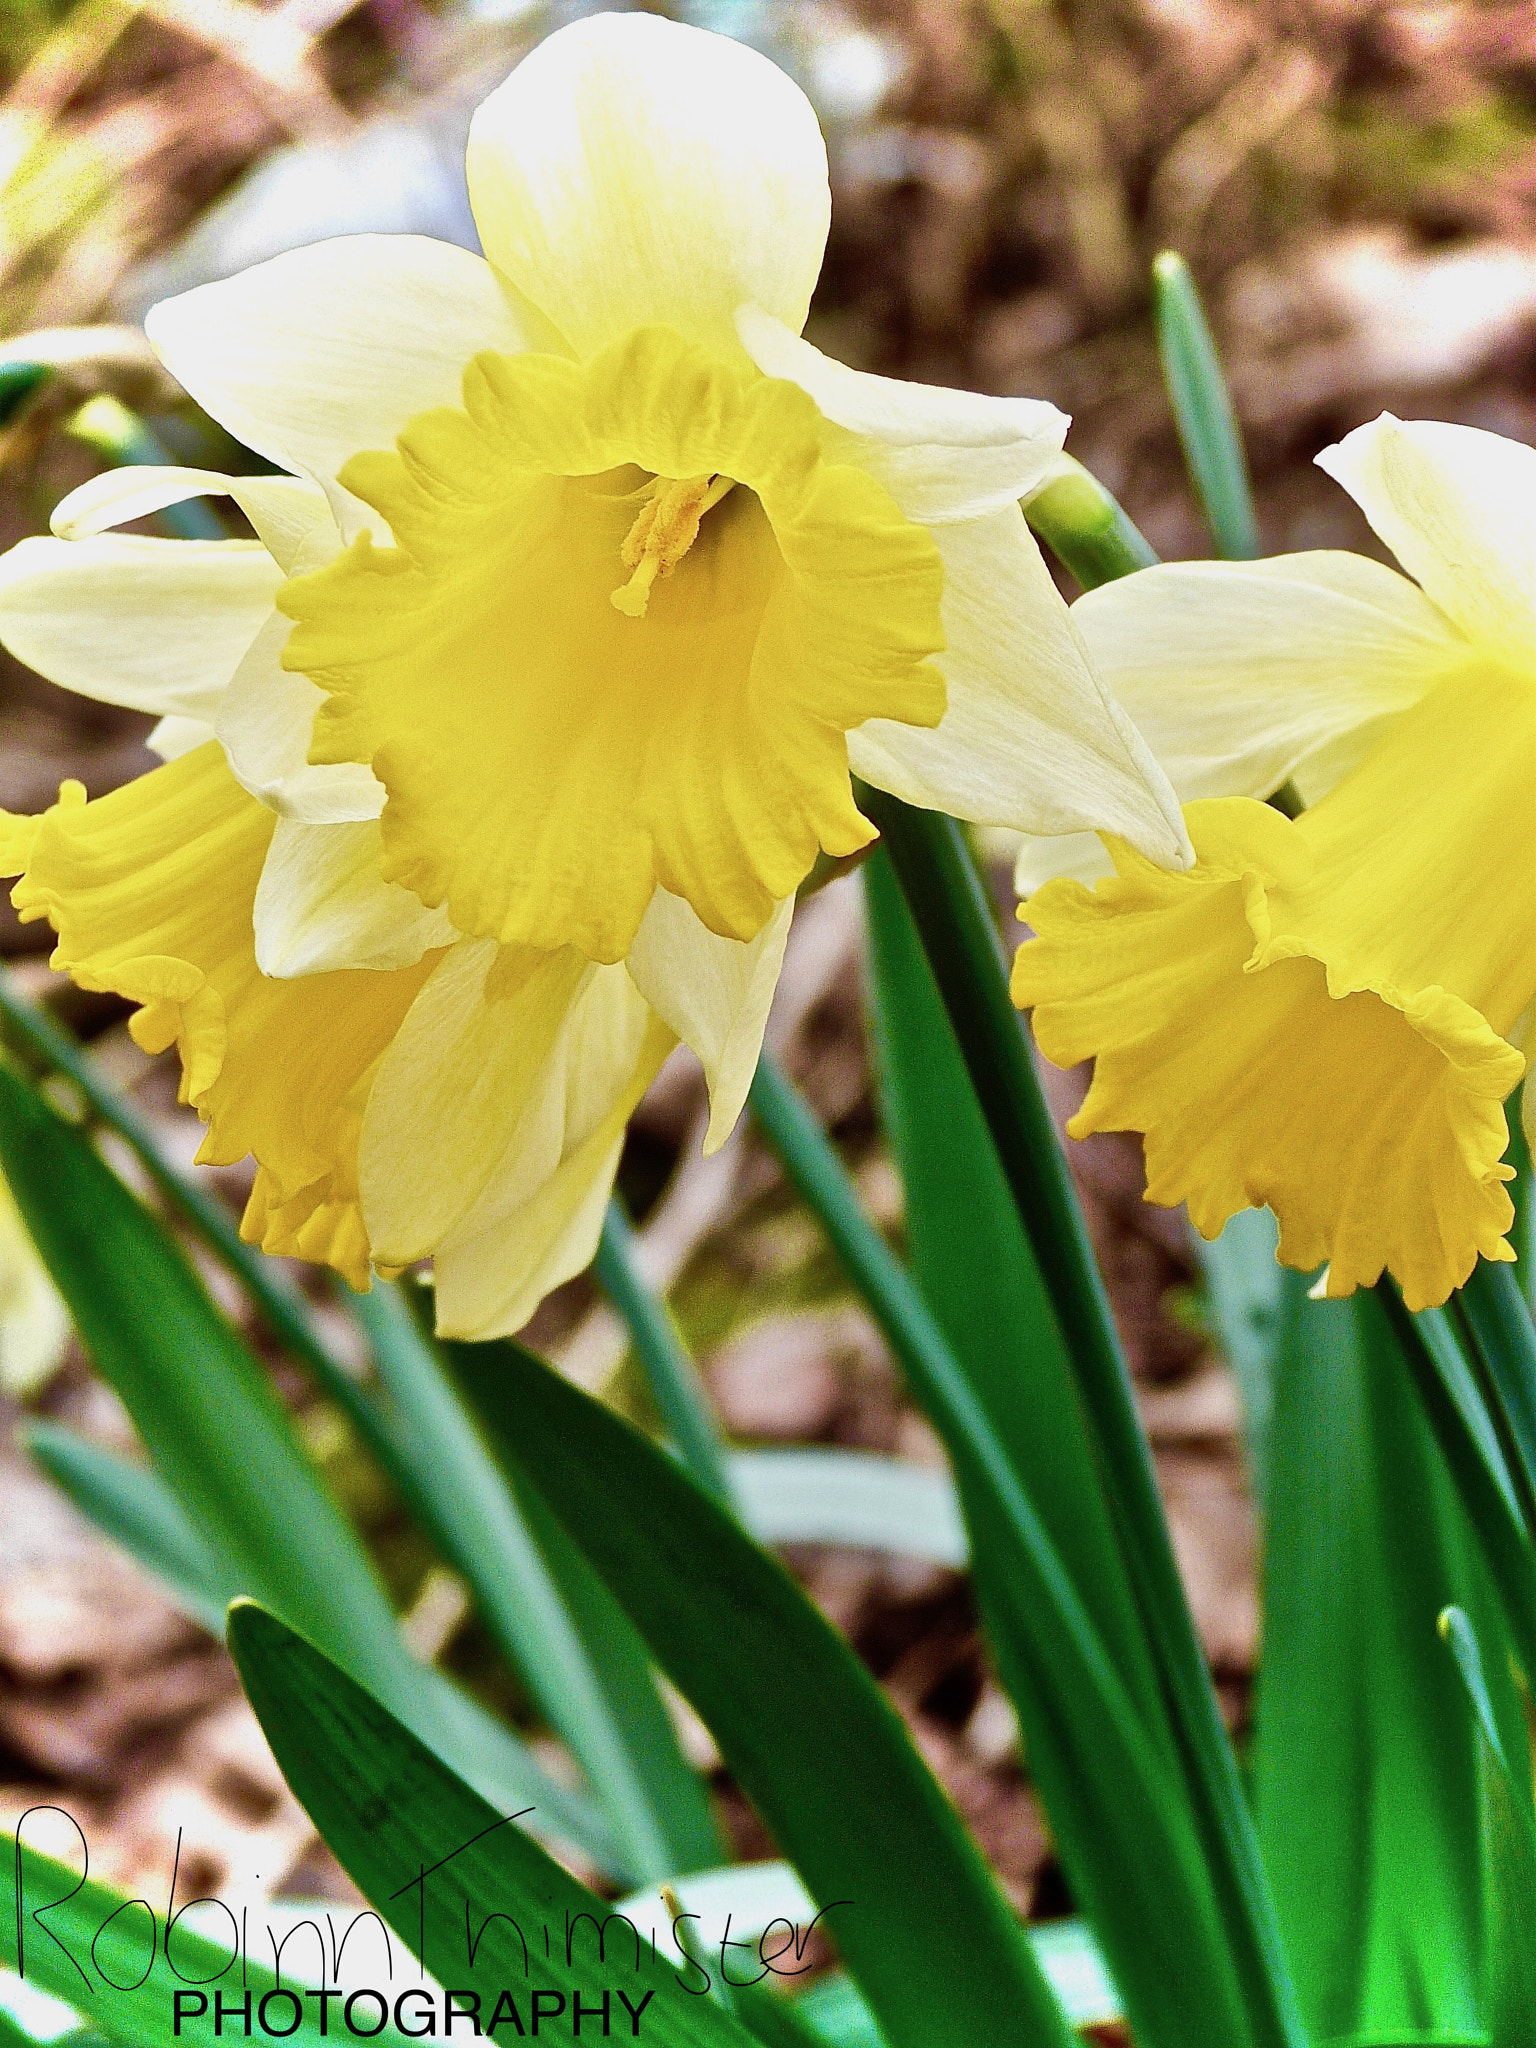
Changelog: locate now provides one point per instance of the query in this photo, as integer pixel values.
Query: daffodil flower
(1326, 1014)
(502, 751)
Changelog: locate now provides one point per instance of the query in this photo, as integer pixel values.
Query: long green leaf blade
(1111, 1780)
(955, 921)
(1366, 1775)
(222, 1442)
(93, 1948)
(1202, 410)
(807, 1733)
(579, 1657)
(139, 1512)
(434, 1859)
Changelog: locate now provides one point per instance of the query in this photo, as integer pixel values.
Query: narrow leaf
(808, 1734)
(1202, 410)
(472, 1896)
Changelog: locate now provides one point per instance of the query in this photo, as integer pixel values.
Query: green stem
(1085, 527)
(1501, 1341)
(955, 921)
(671, 1374)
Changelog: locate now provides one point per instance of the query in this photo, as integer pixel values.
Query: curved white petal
(1031, 738)
(714, 993)
(1457, 507)
(325, 351)
(321, 905)
(1240, 674)
(941, 454)
(518, 1242)
(173, 737)
(634, 171)
(283, 509)
(265, 720)
(473, 1079)
(1078, 855)
(157, 625)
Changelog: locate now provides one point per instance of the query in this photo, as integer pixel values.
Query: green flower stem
(1084, 526)
(1202, 410)
(283, 1310)
(671, 1374)
(955, 921)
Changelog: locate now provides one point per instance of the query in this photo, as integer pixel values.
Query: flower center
(665, 528)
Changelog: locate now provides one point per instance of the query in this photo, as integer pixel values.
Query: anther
(665, 528)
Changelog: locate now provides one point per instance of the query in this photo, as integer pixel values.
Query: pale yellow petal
(715, 994)
(283, 509)
(1240, 674)
(322, 905)
(508, 1252)
(465, 1076)
(633, 171)
(1457, 506)
(941, 454)
(330, 349)
(173, 737)
(1031, 738)
(156, 625)
(265, 722)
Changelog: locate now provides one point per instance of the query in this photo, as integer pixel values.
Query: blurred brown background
(1355, 187)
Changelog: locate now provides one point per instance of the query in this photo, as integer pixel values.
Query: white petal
(1457, 507)
(473, 1071)
(158, 625)
(715, 994)
(519, 1241)
(173, 737)
(265, 721)
(941, 454)
(321, 905)
(328, 350)
(1077, 855)
(283, 509)
(634, 171)
(1030, 738)
(1239, 674)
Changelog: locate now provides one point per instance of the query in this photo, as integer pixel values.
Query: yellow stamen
(665, 528)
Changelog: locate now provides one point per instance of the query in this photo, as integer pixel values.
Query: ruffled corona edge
(1265, 1068)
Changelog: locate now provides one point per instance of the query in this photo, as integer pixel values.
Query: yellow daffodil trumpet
(1326, 1015)
(494, 761)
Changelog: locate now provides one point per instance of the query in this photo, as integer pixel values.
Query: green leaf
(978, 1273)
(1245, 1282)
(441, 1866)
(671, 1374)
(1202, 410)
(557, 1624)
(1366, 1775)
(807, 1733)
(139, 1512)
(1511, 1845)
(828, 1495)
(956, 923)
(222, 1443)
(93, 1948)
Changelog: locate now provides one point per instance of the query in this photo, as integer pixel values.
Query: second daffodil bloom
(1326, 1014)
(493, 765)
